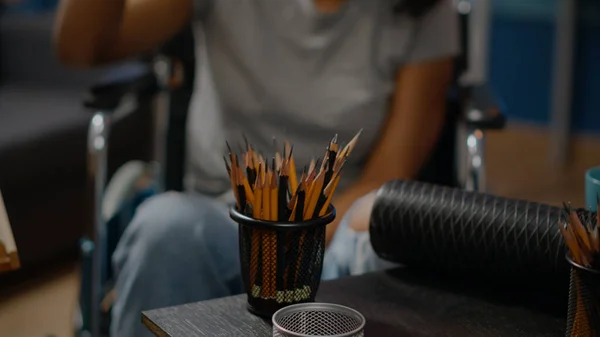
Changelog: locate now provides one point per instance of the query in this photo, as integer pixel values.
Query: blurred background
(540, 56)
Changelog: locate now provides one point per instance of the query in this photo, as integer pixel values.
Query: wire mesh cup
(583, 317)
(281, 262)
(318, 319)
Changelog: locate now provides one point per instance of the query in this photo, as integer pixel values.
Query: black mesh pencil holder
(583, 317)
(281, 261)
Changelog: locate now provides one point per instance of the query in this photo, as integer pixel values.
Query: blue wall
(521, 56)
(32, 6)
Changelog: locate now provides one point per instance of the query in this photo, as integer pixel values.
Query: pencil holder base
(281, 263)
(583, 317)
(259, 313)
(267, 311)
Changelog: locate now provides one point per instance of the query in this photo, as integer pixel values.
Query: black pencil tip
(226, 164)
(228, 147)
(335, 139)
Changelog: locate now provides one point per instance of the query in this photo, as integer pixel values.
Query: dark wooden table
(395, 303)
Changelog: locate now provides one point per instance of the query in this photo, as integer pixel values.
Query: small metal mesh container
(318, 319)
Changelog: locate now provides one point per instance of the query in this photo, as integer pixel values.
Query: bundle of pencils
(269, 190)
(582, 237)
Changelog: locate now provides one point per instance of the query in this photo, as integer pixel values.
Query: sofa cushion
(30, 113)
(38, 128)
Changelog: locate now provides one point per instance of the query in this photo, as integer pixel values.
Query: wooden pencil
(271, 238)
(329, 190)
(315, 191)
(292, 170)
(305, 257)
(241, 191)
(256, 234)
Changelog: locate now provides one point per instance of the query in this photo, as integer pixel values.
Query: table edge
(153, 327)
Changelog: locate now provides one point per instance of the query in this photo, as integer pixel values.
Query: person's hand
(360, 213)
(361, 196)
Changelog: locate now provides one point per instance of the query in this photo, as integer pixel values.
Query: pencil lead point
(228, 147)
(227, 164)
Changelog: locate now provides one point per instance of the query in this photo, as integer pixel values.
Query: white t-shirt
(281, 68)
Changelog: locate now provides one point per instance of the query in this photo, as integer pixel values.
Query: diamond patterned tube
(456, 231)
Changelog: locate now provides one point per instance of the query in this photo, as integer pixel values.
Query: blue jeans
(182, 248)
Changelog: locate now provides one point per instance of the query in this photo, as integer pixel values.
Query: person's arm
(411, 131)
(417, 112)
(94, 32)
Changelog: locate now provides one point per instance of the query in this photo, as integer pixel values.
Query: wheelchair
(458, 159)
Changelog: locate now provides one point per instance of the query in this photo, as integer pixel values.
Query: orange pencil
(329, 190)
(292, 169)
(274, 191)
(315, 192)
(247, 190)
(267, 245)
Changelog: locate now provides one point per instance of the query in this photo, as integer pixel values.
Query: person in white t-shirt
(301, 70)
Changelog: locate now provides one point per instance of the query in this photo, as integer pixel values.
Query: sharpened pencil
(270, 190)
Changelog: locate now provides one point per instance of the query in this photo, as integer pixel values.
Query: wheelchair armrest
(133, 78)
(483, 109)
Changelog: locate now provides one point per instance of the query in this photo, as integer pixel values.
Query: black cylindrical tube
(456, 231)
